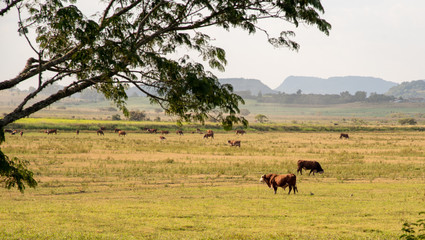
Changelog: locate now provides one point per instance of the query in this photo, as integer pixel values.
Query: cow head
(267, 179)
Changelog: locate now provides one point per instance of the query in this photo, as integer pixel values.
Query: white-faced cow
(51, 131)
(313, 166)
(209, 134)
(122, 133)
(234, 143)
(274, 181)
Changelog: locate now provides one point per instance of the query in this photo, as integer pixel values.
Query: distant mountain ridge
(253, 85)
(335, 85)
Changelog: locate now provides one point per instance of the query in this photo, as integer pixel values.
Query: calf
(234, 143)
(313, 166)
(100, 132)
(344, 135)
(274, 181)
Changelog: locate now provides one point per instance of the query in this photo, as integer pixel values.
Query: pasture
(187, 187)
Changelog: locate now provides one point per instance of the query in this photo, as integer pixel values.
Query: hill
(408, 90)
(334, 85)
(252, 85)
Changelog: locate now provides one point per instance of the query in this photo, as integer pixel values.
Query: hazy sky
(378, 38)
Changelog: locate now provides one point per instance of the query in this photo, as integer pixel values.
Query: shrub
(407, 121)
(414, 231)
(116, 117)
(137, 115)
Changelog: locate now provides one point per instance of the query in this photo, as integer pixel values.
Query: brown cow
(241, 132)
(122, 133)
(162, 138)
(14, 132)
(102, 128)
(165, 132)
(152, 130)
(21, 133)
(274, 181)
(77, 132)
(344, 135)
(51, 131)
(8, 131)
(117, 130)
(207, 135)
(179, 132)
(313, 166)
(100, 132)
(234, 143)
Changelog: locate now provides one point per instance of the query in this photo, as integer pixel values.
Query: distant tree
(245, 112)
(131, 42)
(137, 115)
(261, 118)
(299, 92)
(116, 117)
(360, 96)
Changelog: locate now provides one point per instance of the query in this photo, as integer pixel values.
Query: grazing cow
(14, 132)
(241, 132)
(313, 166)
(51, 131)
(274, 181)
(164, 132)
(179, 132)
(122, 133)
(208, 135)
(21, 133)
(117, 130)
(344, 135)
(77, 132)
(234, 143)
(8, 131)
(161, 138)
(152, 130)
(102, 128)
(100, 132)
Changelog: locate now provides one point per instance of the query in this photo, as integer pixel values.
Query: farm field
(187, 187)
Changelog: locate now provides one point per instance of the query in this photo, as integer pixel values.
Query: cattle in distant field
(51, 131)
(180, 132)
(102, 128)
(209, 135)
(162, 138)
(122, 133)
(165, 132)
(274, 181)
(117, 130)
(14, 132)
(21, 133)
(344, 135)
(152, 130)
(234, 143)
(100, 132)
(313, 166)
(77, 132)
(241, 132)
(8, 130)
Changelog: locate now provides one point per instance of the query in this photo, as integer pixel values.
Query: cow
(344, 135)
(8, 131)
(234, 143)
(241, 132)
(208, 135)
(152, 130)
(51, 131)
(313, 166)
(14, 132)
(180, 132)
(164, 132)
(122, 133)
(274, 181)
(77, 132)
(162, 138)
(117, 130)
(102, 128)
(100, 132)
(21, 133)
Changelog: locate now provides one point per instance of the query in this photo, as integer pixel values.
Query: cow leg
(290, 188)
(300, 171)
(275, 189)
(310, 172)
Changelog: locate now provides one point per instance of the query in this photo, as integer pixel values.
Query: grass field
(186, 187)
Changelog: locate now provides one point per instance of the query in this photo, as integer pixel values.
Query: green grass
(186, 187)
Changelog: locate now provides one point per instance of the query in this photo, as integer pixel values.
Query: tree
(137, 115)
(261, 118)
(133, 42)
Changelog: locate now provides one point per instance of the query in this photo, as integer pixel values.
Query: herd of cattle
(272, 180)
